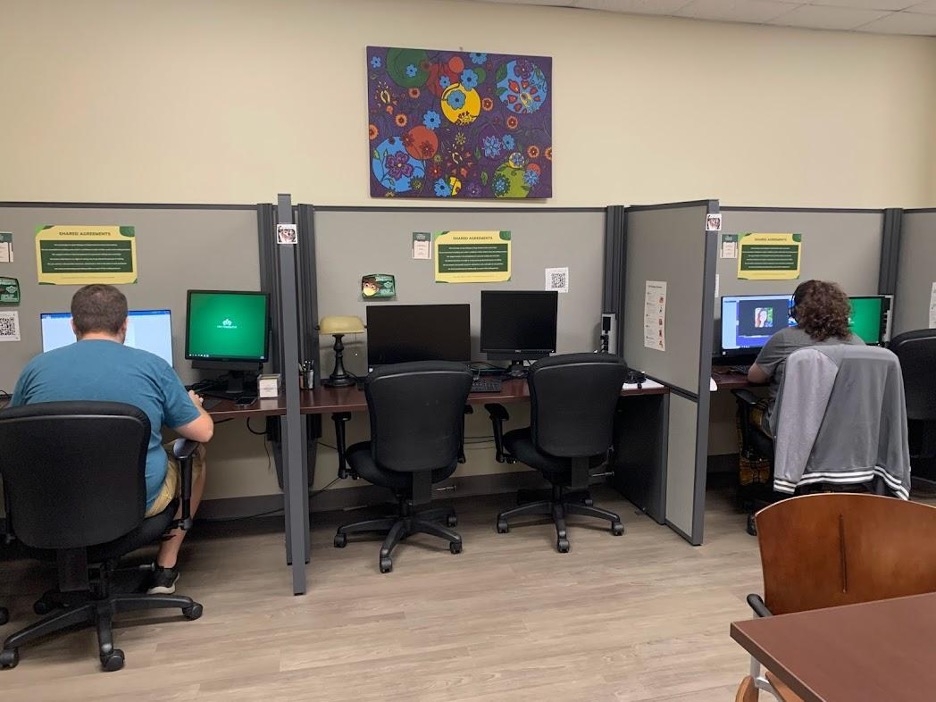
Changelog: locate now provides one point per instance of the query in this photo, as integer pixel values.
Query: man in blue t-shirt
(99, 367)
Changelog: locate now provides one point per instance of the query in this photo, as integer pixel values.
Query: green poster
(9, 291)
(472, 256)
(81, 255)
(769, 256)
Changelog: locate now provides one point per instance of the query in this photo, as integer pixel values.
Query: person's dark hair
(98, 308)
(821, 310)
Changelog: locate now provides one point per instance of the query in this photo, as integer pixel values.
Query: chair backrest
(917, 353)
(838, 548)
(417, 414)
(572, 402)
(74, 472)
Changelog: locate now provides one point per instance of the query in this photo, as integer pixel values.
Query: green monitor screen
(225, 325)
(867, 320)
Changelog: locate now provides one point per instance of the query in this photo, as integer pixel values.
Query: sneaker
(163, 581)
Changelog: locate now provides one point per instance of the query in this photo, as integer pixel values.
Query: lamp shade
(341, 325)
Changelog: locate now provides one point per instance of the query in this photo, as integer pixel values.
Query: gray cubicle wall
(178, 247)
(839, 245)
(916, 270)
(669, 243)
(351, 242)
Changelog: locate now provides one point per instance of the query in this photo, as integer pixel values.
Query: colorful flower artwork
(451, 124)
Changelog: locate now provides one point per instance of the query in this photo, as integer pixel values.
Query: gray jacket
(841, 418)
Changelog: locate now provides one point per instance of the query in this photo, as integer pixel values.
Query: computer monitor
(403, 333)
(870, 318)
(747, 321)
(149, 330)
(518, 325)
(228, 330)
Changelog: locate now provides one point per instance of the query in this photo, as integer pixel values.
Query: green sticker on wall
(378, 285)
(9, 291)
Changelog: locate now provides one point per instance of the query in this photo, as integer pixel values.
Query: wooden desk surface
(323, 400)
(876, 651)
(264, 407)
(726, 380)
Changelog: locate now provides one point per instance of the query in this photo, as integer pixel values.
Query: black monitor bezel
(230, 363)
(503, 354)
(463, 307)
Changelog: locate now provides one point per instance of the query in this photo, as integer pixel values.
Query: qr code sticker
(557, 279)
(9, 326)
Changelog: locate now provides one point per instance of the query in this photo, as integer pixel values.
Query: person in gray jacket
(820, 310)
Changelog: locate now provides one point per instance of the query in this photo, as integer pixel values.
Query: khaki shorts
(172, 484)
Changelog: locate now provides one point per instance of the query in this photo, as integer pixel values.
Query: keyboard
(486, 384)
(740, 370)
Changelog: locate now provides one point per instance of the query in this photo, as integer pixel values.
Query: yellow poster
(471, 257)
(769, 256)
(82, 255)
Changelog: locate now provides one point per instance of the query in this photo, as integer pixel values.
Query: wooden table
(726, 380)
(882, 651)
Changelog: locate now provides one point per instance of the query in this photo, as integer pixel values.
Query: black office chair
(573, 398)
(916, 351)
(416, 418)
(75, 476)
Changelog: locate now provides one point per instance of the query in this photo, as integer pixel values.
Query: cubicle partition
(669, 244)
(354, 241)
(178, 247)
(917, 270)
(840, 245)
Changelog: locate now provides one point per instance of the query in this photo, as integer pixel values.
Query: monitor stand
(516, 370)
(230, 385)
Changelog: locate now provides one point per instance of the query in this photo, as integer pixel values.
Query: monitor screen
(518, 324)
(869, 318)
(149, 330)
(749, 320)
(226, 325)
(403, 333)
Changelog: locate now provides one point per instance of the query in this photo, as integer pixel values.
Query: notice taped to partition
(655, 315)
(82, 255)
(471, 257)
(769, 256)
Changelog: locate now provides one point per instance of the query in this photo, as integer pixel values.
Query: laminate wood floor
(634, 618)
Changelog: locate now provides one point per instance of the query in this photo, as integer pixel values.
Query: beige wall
(235, 100)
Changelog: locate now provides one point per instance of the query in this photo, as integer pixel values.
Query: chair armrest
(341, 419)
(757, 604)
(184, 452)
(498, 415)
(745, 397)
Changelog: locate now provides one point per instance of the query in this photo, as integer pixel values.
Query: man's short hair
(98, 308)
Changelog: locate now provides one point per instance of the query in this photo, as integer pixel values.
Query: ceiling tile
(925, 8)
(734, 10)
(891, 5)
(903, 23)
(641, 7)
(815, 17)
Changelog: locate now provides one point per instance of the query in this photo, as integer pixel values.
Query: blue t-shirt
(98, 369)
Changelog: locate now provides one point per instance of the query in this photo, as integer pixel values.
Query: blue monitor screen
(150, 330)
(749, 320)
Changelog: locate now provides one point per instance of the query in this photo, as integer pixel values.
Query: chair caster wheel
(455, 546)
(502, 526)
(588, 502)
(386, 565)
(112, 661)
(341, 540)
(41, 607)
(451, 521)
(193, 611)
(562, 545)
(751, 525)
(617, 528)
(9, 657)
(4, 616)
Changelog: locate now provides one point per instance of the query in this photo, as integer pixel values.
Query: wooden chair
(835, 549)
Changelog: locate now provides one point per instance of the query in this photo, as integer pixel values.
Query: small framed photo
(287, 234)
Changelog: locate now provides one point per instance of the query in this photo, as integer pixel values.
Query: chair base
(99, 612)
(405, 524)
(561, 503)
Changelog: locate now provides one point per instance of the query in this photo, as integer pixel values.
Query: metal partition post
(295, 476)
(890, 252)
(615, 252)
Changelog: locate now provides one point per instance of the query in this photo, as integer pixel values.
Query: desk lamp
(338, 327)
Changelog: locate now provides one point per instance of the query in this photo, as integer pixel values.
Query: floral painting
(452, 124)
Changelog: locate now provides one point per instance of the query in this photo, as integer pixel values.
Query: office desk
(880, 650)
(726, 380)
(264, 407)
